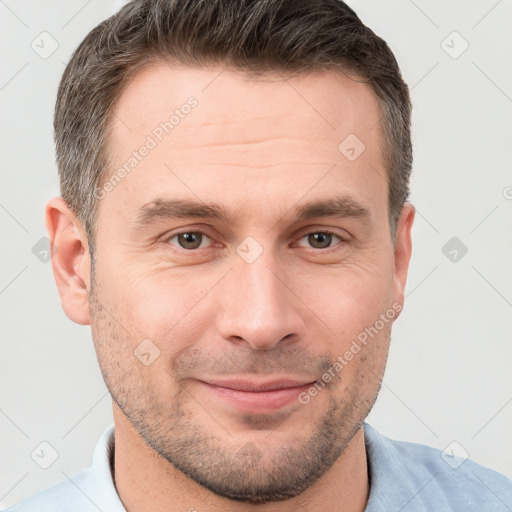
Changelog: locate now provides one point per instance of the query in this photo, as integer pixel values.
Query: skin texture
(260, 149)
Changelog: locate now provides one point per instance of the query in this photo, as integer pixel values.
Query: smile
(256, 397)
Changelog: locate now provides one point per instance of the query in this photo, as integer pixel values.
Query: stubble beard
(247, 472)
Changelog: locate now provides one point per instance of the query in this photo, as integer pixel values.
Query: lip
(257, 397)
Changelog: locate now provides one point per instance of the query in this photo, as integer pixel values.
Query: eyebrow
(162, 209)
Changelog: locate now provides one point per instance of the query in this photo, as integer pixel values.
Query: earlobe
(403, 250)
(70, 259)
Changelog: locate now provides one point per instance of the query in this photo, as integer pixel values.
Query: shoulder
(91, 490)
(65, 496)
(420, 477)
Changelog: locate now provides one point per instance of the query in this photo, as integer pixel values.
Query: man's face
(195, 316)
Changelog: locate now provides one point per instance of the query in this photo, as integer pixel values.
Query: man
(234, 227)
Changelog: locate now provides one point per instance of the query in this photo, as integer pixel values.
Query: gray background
(448, 377)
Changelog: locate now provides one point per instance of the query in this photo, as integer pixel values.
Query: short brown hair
(259, 37)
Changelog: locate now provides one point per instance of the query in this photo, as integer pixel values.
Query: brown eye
(321, 239)
(189, 240)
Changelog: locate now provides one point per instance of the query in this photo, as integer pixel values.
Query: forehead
(327, 101)
(216, 133)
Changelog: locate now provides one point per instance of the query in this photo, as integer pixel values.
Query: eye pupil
(190, 240)
(320, 240)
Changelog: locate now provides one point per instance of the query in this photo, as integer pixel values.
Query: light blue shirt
(404, 477)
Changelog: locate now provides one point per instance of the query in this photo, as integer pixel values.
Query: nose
(258, 306)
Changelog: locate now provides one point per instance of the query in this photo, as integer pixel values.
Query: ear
(403, 249)
(70, 259)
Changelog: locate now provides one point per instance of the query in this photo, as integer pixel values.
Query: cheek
(347, 300)
(166, 306)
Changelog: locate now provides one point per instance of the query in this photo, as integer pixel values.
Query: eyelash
(203, 232)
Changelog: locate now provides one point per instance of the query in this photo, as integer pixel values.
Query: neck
(144, 481)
